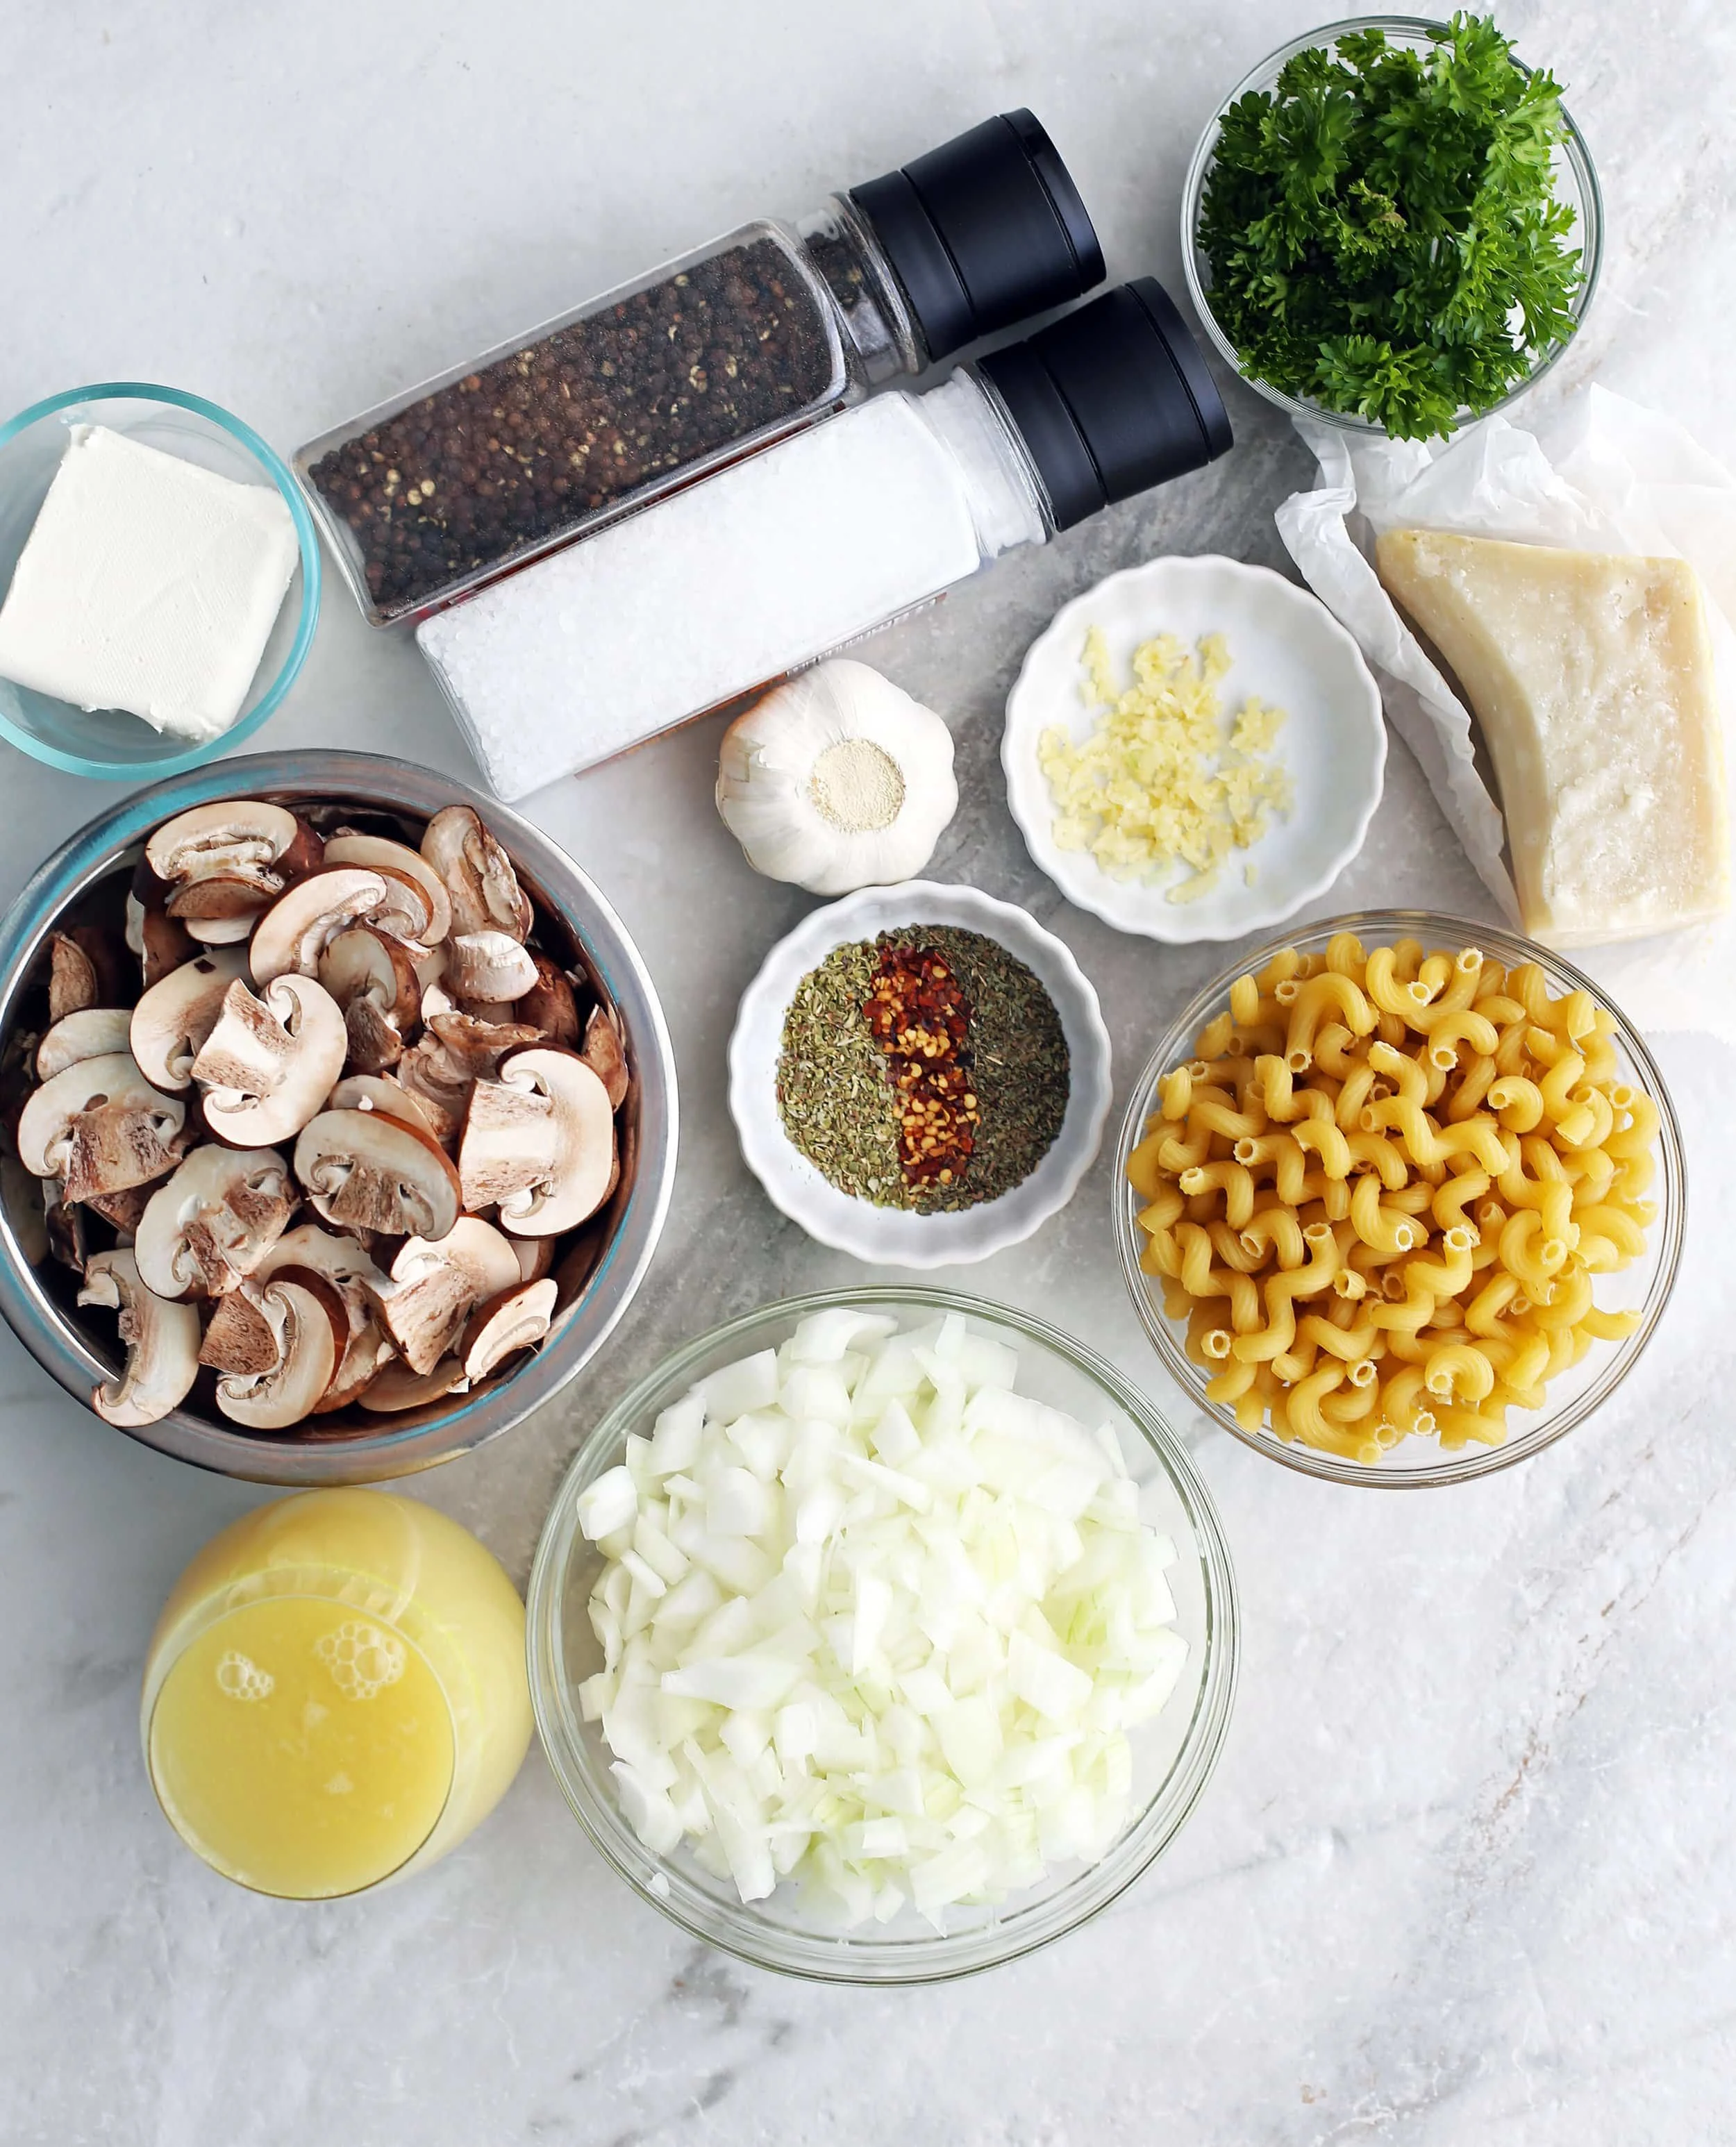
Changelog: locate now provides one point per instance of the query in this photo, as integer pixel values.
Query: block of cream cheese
(147, 584)
(1591, 675)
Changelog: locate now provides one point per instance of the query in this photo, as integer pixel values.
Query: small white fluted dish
(1286, 647)
(894, 1237)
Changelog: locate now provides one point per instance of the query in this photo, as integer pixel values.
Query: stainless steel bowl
(350, 1447)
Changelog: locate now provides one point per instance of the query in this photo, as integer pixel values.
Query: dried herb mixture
(933, 1036)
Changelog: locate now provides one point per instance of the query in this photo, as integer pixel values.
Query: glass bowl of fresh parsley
(1392, 225)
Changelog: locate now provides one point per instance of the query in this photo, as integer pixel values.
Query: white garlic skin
(788, 824)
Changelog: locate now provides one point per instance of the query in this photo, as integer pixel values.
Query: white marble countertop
(1463, 1872)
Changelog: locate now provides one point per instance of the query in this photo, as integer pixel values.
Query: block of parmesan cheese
(1591, 676)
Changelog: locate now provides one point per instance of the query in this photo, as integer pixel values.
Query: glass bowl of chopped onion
(1418, 1307)
(1574, 184)
(882, 1635)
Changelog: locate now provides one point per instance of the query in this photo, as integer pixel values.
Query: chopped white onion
(871, 1619)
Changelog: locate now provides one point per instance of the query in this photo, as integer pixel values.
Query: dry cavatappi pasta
(1381, 1192)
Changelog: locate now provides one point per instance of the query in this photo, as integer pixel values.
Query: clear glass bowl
(1174, 1755)
(107, 743)
(1576, 182)
(1418, 1463)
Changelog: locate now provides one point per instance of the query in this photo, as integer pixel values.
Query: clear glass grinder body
(789, 555)
(436, 492)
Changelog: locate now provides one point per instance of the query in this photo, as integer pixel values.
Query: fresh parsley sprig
(1382, 228)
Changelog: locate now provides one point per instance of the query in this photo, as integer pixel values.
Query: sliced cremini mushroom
(172, 1019)
(539, 1142)
(435, 1286)
(536, 1257)
(100, 1127)
(549, 1005)
(212, 856)
(308, 1329)
(453, 1053)
(367, 1170)
(86, 968)
(488, 966)
(123, 1212)
(300, 925)
(485, 893)
(428, 918)
(238, 1337)
(269, 1063)
(63, 1221)
(344, 1263)
(160, 942)
(371, 977)
(517, 1318)
(382, 1092)
(397, 1388)
(210, 1226)
(72, 977)
(162, 1343)
(91, 1033)
(604, 1054)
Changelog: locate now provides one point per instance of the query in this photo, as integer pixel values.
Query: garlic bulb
(836, 780)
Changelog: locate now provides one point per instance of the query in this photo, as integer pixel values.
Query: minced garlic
(1156, 782)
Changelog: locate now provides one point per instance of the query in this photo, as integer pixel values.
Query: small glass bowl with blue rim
(109, 743)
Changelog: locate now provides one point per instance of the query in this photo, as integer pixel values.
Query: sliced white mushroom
(434, 1286)
(345, 1264)
(300, 925)
(308, 1328)
(382, 1092)
(478, 873)
(372, 977)
(91, 1033)
(487, 965)
(397, 1388)
(367, 1171)
(162, 1343)
(100, 1127)
(517, 1318)
(173, 1018)
(269, 1063)
(539, 1142)
(212, 1224)
(428, 919)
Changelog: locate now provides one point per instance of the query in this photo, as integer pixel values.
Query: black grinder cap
(1111, 400)
(984, 231)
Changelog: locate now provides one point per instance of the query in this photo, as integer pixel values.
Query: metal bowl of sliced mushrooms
(339, 1116)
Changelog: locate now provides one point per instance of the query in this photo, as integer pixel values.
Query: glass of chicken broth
(335, 1695)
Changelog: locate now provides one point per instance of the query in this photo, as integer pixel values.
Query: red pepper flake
(918, 1015)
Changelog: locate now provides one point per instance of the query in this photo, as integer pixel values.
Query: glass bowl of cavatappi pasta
(1400, 1198)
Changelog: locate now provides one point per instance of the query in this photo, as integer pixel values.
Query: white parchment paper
(1605, 475)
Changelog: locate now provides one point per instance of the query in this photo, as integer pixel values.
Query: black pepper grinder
(437, 491)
